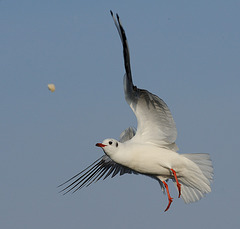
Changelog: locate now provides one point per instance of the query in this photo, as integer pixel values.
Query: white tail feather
(196, 178)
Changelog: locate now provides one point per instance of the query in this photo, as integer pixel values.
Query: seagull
(151, 149)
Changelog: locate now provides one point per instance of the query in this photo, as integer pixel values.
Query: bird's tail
(196, 178)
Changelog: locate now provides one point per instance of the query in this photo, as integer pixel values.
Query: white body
(194, 171)
(147, 158)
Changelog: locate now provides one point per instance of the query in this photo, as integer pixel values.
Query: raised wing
(155, 122)
(126, 54)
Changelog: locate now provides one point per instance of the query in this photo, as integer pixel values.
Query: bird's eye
(110, 143)
(116, 144)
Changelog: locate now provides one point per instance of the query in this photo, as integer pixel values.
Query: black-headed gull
(151, 150)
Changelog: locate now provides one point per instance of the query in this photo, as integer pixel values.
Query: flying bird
(151, 149)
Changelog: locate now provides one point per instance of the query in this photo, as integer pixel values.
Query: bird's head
(109, 146)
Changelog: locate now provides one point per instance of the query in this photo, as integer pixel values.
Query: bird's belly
(150, 169)
(156, 162)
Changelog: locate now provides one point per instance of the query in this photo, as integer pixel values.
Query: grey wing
(155, 121)
(127, 134)
(126, 54)
(101, 168)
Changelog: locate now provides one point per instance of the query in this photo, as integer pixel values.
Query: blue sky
(186, 52)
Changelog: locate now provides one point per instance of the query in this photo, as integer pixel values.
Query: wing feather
(127, 134)
(155, 121)
(93, 173)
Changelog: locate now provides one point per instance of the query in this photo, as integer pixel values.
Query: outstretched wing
(101, 168)
(155, 121)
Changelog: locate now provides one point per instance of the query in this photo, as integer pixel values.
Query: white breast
(147, 158)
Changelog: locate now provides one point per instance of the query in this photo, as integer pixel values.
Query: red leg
(178, 184)
(169, 197)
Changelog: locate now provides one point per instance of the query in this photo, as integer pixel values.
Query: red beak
(100, 145)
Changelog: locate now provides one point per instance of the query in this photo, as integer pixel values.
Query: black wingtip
(111, 13)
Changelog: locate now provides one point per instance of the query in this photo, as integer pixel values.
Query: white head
(110, 146)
